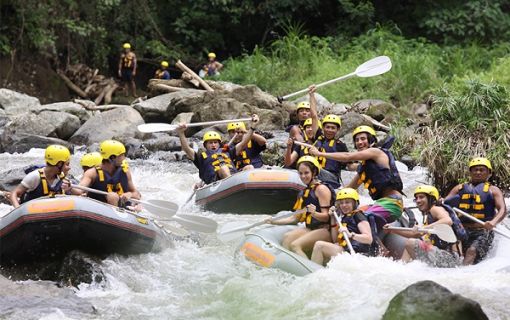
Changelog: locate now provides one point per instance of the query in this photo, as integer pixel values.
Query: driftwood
(165, 88)
(189, 78)
(184, 68)
(376, 123)
(71, 85)
(88, 83)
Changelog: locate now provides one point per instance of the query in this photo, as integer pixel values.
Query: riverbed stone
(154, 109)
(14, 103)
(120, 122)
(429, 300)
(23, 142)
(350, 121)
(48, 123)
(68, 107)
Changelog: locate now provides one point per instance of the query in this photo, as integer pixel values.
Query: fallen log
(165, 88)
(184, 68)
(71, 85)
(109, 93)
(376, 123)
(189, 78)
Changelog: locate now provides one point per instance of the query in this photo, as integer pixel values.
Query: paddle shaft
(303, 144)
(290, 95)
(467, 215)
(207, 123)
(346, 236)
(105, 193)
(256, 224)
(412, 229)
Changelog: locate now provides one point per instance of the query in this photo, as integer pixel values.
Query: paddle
(467, 215)
(370, 68)
(159, 127)
(234, 230)
(443, 231)
(299, 143)
(171, 229)
(346, 236)
(162, 209)
(195, 223)
(167, 213)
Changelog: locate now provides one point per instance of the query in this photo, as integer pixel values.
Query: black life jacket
(308, 196)
(212, 161)
(328, 146)
(43, 189)
(477, 201)
(127, 61)
(376, 178)
(248, 156)
(117, 183)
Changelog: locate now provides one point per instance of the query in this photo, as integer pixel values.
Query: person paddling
(377, 172)
(483, 201)
(46, 181)
(317, 199)
(430, 248)
(246, 152)
(354, 223)
(110, 176)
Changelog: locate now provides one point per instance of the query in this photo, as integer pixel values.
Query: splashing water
(205, 280)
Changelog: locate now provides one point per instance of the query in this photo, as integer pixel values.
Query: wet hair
(371, 138)
(315, 171)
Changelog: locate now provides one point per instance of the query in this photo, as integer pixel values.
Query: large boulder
(32, 299)
(429, 300)
(47, 123)
(377, 109)
(154, 109)
(9, 179)
(23, 142)
(350, 121)
(14, 103)
(68, 107)
(117, 123)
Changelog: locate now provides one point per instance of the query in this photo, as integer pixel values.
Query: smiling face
(345, 205)
(422, 202)
(212, 145)
(309, 132)
(330, 130)
(479, 174)
(305, 173)
(361, 141)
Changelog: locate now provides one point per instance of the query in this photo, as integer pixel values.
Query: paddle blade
(196, 223)
(170, 206)
(158, 211)
(445, 233)
(374, 67)
(233, 231)
(156, 127)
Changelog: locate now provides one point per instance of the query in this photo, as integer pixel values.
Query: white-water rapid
(205, 281)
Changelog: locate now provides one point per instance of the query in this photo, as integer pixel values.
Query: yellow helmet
(211, 135)
(164, 64)
(303, 105)
(366, 129)
(347, 193)
(313, 160)
(332, 118)
(308, 122)
(55, 153)
(236, 125)
(110, 148)
(480, 162)
(91, 159)
(429, 190)
(212, 55)
(126, 45)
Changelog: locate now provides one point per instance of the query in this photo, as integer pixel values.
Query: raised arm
(247, 137)
(184, 142)
(313, 109)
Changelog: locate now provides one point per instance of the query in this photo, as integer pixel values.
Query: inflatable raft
(263, 247)
(259, 191)
(50, 227)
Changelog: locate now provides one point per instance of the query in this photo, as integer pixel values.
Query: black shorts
(481, 239)
(126, 74)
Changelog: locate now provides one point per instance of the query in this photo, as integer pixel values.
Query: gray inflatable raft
(50, 227)
(259, 191)
(263, 247)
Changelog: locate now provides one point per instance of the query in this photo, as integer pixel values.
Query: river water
(204, 280)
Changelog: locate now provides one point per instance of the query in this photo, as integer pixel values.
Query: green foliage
(466, 21)
(470, 120)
